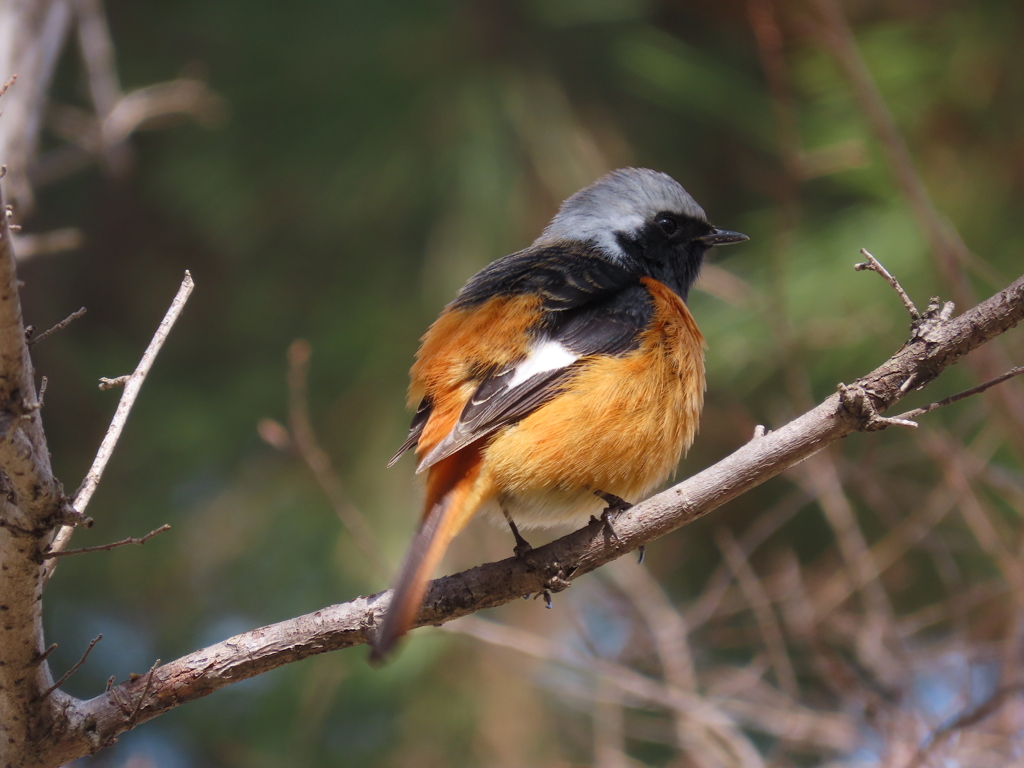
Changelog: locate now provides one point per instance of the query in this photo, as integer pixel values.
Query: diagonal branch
(132, 385)
(94, 723)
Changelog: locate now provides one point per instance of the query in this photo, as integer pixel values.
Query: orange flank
(456, 351)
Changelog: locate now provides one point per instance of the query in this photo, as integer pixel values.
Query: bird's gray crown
(619, 202)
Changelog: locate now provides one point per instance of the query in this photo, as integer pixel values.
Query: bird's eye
(668, 225)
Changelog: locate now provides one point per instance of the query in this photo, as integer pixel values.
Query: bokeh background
(350, 166)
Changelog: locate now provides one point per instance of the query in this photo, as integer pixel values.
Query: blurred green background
(371, 157)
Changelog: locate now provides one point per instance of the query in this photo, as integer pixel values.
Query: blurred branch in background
(948, 249)
(300, 438)
(33, 36)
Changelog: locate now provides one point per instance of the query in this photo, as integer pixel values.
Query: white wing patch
(542, 357)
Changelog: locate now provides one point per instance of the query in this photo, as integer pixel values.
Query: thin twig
(951, 254)
(671, 643)
(58, 327)
(764, 614)
(46, 654)
(5, 86)
(28, 246)
(666, 624)
(961, 395)
(145, 693)
(117, 381)
(304, 440)
(112, 545)
(875, 265)
(820, 477)
(131, 392)
(972, 716)
(73, 669)
(97, 50)
(763, 527)
(948, 248)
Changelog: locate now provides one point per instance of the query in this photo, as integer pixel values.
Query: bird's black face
(670, 247)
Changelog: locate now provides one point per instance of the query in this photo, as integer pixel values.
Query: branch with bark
(74, 728)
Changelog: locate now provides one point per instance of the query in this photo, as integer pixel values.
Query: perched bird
(562, 377)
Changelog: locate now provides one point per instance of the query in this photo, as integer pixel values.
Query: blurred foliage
(376, 155)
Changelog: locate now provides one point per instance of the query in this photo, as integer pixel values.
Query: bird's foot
(616, 507)
(522, 547)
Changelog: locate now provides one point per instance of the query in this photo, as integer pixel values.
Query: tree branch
(132, 385)
(31, 504)
(95, 723)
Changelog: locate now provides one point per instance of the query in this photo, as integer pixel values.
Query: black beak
(722, 237)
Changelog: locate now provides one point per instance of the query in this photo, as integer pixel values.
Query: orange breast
(620, 427)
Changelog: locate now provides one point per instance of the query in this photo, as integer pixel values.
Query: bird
(563, 380)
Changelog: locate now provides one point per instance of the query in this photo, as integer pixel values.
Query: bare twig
(45, 243)
(666, 625)
(8, 84)
(763, 527)
(305, 442)
(114, 383)
(764, 614)
(112, 545)
(965, 720)
(46, 654)
(948, 248)
(58, 327)
(98, 55)
(145, 692)
(874, 265)
(670, 633)
(609, 728)
(131, 391)
(77, 665)
(961, 395)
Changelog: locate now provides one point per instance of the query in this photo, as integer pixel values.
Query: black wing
(608, 327)
(566, 277)
(591, 307)
(415, 429)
